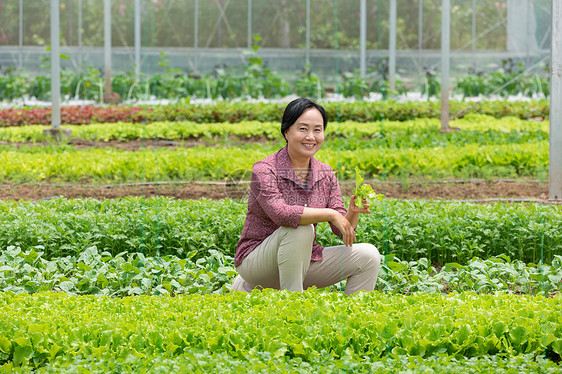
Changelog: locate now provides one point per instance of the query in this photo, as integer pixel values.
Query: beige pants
(282, 261)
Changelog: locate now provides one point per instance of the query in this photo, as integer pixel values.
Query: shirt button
(305, 204)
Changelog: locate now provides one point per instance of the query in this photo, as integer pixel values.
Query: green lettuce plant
(364, 191)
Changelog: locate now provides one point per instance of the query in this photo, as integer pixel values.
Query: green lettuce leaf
(364, 191)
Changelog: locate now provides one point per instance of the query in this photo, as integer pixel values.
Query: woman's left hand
(353, 208)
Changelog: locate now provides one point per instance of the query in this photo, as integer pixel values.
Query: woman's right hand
(347, 231)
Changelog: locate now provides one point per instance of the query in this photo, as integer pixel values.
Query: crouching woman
(290, 193)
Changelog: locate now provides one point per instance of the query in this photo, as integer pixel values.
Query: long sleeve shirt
(277, 198)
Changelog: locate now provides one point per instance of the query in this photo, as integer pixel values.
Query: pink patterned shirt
(277, 198)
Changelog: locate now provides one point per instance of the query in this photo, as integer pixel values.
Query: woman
(290, 193)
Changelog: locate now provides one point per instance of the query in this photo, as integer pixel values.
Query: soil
(481, 191)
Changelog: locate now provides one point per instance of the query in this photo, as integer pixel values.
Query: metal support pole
(392, 48)
(249, 24)
(219, 25)
(55, 65)
(363, 39)
(20, 57)
(379, 22)
(196, 25)
(80, 34)
(307, 47)
(70, 40)
(527, 29)
(420, 30)
(473, 32)
(555, 156)
(107, 44)
(137, 38)
(445, 54)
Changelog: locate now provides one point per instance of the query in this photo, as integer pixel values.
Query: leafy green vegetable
(417, 133)
(364, 191)
(236, 111)
(310, 327)
(441, 231)
(99, 273)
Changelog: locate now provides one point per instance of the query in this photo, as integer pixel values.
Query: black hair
(295, 109)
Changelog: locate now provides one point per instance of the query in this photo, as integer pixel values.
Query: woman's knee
(304, 233)
(296, 244)
(368, 254)
(306, 230)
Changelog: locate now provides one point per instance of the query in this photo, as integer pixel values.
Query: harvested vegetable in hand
(364, 191)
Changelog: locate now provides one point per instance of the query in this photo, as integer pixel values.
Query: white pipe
(196, 24)
(55, 65)
(107, 44)
(445, 57)
(80, 34)
(363, 39)
(392, 48)
(555, 156)
(249, 24)
(137, 38)
(20, 57)
(307, 47)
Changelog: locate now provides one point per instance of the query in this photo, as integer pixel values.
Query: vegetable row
(46, 327)
(95, 165)
(360, 111)
(99, 273)
(203, 361)
(440, 231)
(418, 133)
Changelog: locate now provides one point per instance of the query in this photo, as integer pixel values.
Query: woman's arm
(315, 215)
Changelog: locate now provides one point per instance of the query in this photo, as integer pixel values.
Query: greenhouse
(250, 186)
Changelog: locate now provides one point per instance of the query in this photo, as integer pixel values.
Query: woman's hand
(345, 227)
(354, 209)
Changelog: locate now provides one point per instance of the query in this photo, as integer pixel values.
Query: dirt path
(459, 191)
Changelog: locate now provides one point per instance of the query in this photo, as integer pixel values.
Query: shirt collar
(286, 171)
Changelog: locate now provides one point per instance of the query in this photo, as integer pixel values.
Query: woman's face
(306, 135)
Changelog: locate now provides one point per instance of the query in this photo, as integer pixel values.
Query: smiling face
(305, 136)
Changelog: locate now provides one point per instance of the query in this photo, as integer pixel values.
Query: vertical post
(363, 39)
(445, 52)
(379, 22)
(70, 40)
(555, 156)
(20, 43)
(55, 65)
(473, 32)
(196, 25)
(392, 48)
(219, 25)
(249, 24)
(137, 38)
(107, 45)
(527, 28)
(307, 48)
(80, 33)
(420, 29)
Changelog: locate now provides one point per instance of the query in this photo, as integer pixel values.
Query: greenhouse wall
(200, 36)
